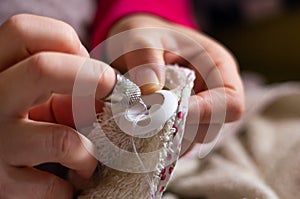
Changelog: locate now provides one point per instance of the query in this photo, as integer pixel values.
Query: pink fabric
(109, 11)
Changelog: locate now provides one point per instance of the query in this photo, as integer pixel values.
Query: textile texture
(127, 181)
(256, 158)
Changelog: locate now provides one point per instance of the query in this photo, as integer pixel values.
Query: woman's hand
(160, 43)
(39, 62)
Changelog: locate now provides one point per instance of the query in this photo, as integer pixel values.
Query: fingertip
(148, 77)
(83, 51)
(146, 68)
(90, 168)
(107, 83)
(86, 174)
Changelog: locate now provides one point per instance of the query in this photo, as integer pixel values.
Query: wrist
(138, 20)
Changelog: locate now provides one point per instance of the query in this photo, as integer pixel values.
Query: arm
(154, 40)
(110, 11)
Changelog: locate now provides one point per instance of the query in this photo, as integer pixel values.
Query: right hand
(39, 61)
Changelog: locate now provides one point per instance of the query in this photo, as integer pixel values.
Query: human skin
(201, 105)
(39, 60)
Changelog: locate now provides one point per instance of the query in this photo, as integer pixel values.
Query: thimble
(125, 92)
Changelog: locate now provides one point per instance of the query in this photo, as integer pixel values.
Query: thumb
(146, 69)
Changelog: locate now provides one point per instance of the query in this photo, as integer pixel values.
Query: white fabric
(120, 173)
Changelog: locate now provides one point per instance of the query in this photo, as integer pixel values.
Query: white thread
(138, 117)
(150, 182)
(105, 121)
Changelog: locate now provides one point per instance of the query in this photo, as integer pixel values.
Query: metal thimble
(125, 92)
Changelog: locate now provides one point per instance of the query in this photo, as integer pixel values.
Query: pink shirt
(110, 11)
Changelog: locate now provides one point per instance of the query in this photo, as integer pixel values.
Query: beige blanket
(256, 158)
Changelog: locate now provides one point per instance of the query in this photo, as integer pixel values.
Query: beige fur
(124, 183)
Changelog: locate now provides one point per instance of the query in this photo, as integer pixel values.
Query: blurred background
(264, 35)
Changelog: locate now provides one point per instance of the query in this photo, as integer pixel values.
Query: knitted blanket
(255, 158)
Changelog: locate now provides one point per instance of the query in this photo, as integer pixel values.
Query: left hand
(40, 59)
(214, 60)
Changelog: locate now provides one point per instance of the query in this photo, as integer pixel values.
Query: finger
(140, 52)
(58, 109)
(225, 95)
(46, 142)
(215, 106)
(24, 34)
(195, 133)
(43, 74)
(146, 69)
(223, 101)
(28, 183)
(171, 58)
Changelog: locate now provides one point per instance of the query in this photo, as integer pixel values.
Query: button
(145, 120)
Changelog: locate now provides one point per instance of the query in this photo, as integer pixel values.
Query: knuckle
(69, 39)
(3, 102)
(236, 108)
(51, 187)
(17, 23)
(7, 183)
(3, 189)
(138, 42)
(55, 187)
(38, 70)
(38, 65)
(59, 143)
(206, 111)
(66, 36)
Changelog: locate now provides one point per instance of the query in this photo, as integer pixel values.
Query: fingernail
(83, 51)
(148, 81)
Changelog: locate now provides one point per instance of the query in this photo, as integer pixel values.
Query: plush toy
(137, 148)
